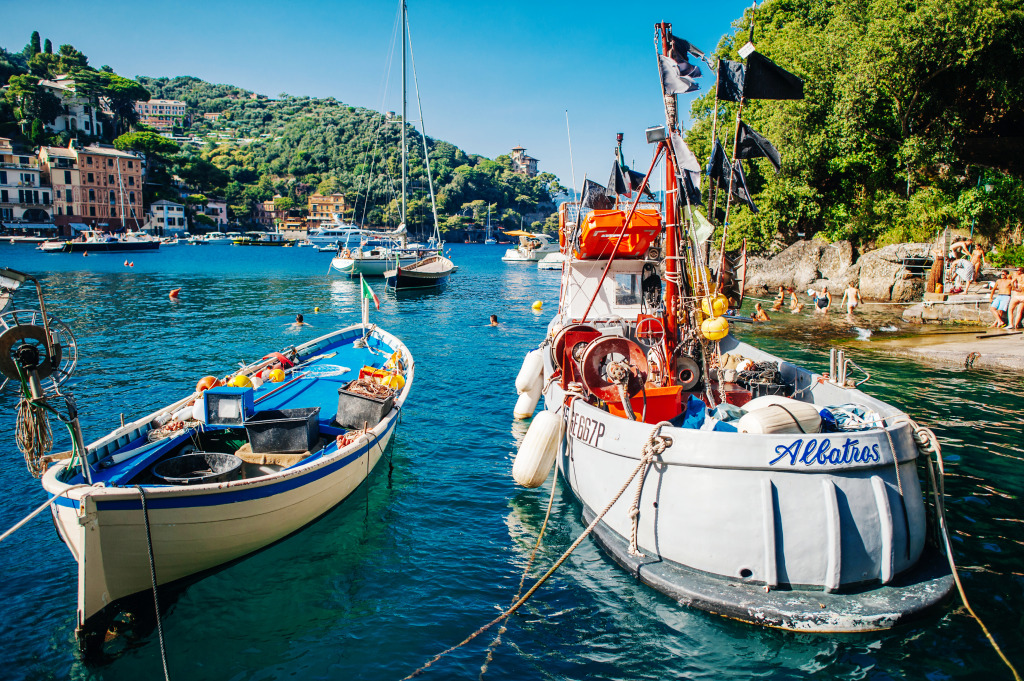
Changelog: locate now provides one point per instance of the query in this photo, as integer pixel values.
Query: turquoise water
(411, 564)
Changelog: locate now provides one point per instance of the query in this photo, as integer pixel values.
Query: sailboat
(490, 240)
(723, 476)
(431, 270)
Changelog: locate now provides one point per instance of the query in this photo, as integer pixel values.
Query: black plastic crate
(283, 430)
(356, 411)
(760, 389)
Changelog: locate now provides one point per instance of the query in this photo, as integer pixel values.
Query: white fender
(775, 414)
(183, 414)
(531, 373)
(527, 403)
(537, 453)
(199, 409)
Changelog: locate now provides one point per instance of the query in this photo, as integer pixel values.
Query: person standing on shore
(978, 260)
(1000, 298)
(1015, 310)
(851, 298)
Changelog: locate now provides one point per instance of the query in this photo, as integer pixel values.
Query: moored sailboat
(723, 476)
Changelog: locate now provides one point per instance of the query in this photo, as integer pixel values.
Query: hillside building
(59, 167)
(523, 164)
(79, 113)
(23, 196)
(162, 114)
(324, 208)
(111, 182)
(166, 218)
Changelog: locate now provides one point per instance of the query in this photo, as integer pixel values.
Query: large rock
(795, 267)
(883, 276)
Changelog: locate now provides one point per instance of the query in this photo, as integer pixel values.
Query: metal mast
(404, 159)
(672, 263)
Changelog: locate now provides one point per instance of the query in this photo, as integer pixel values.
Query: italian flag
(368, 292)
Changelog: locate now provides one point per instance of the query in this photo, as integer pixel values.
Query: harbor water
(426, 552)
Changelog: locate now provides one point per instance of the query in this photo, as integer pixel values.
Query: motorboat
(96, 241)
(728, 478)
(532, 247)
(262, 239)
(430, 272)
(221, 472)
(551, 261)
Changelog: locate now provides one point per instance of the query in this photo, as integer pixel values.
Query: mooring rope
(655, 446)
(152, 575)
(928, 444)
(37, 511)
(522, 579)
(645, 459)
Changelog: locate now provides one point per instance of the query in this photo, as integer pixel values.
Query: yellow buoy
(396, 381)
(538, 304)
(714, 328)
(277, 376)
(240, 381)
(316, 309)
(716, 306)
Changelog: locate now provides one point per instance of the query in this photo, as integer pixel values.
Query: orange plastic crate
(602, 227)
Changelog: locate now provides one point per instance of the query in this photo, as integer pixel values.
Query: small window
(67, 177)
(92, 194)
(70, 212)
(131, 164)
(110, 179)
(88, 161)
(67, 194)
(92, 211)
(23, 160)
(131, 197)
(627, 287)
(89, 178)
(131, 180)
(46, 197)
(113, 199)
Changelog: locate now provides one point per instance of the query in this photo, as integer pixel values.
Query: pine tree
(48, 47)
(34, 43)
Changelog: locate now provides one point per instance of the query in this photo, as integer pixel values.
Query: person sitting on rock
(1000, 298)
(795, 305)
(779, 300)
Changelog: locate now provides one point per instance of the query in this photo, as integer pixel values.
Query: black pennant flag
(717, 165)
(674, 79)
(739, 186)
(679, 48)
(635, 180)
(766, 80)
(730, 80)
(617, 182)
(753, 145)
(595, 196)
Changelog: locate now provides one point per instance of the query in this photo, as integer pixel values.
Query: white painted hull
(368, 267)
(525, 255)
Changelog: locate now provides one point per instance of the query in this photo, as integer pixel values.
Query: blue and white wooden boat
(99, 511)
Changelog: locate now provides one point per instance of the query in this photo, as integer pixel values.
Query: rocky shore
(881, 275)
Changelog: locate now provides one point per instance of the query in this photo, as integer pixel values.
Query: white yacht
(532, 247)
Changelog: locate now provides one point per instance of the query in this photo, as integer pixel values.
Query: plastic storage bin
(283, 430)
(355, 411)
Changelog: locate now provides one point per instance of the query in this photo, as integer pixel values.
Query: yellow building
(324, 208)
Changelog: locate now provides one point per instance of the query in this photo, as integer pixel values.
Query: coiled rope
(928, 444)
(33, 435)
(645, 459)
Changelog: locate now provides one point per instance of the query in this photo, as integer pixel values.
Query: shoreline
(998, 352)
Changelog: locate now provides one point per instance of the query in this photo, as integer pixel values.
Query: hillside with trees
(912, 121)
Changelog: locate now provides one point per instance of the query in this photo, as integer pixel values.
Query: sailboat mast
(671, 215)
(404, 106)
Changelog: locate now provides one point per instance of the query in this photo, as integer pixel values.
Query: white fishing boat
(725, 477)
(532, 247)
(227, 469)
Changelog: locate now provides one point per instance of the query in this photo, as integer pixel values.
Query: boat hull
(811, 532)
(368, 267)
(108, 247)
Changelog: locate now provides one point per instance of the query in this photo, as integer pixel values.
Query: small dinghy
(229, 468)
(430, 272)
(725, 477)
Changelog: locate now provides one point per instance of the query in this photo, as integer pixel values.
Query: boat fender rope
(655, 446)
(152, 576)
(928, 444)
(558, 563)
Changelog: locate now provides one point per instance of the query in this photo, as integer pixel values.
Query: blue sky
(492, 74)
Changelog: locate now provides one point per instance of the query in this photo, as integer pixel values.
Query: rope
(152, 575)
(33, 435)
(928, 444)
(40, 509)
(655, 446)
(522, 579)
(558, 563)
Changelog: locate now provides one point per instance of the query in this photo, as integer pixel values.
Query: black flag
(679, 48)
(687, 167)
(673, 77)
(730, 80)
(753, 145)
(717, 165)
(617, 182)
(766, 80)
(635, 180)
(595, 196)
(739, 186)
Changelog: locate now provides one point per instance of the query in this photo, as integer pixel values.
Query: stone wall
(818, 264)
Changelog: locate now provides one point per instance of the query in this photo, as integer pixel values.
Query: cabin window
(627, 289)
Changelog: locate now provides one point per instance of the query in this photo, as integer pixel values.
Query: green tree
(48, 47)
(148, 142)
(33, 43)
(71, 59)
(283, 203)
(120, 95)
(29, 100)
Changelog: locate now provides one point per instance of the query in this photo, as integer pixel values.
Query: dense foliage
(905, 103)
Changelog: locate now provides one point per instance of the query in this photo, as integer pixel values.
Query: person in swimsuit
(1000, 298)
(851, 297)
(978, 260)
(823, 301)
(759, 314)
(779, 300)
(795, 305)
(1015, 310)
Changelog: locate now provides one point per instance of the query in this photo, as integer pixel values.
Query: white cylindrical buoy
(183, 414)
(781, 416)
(526, 403)
(531, 373)
(199, 409)
(537, 453)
